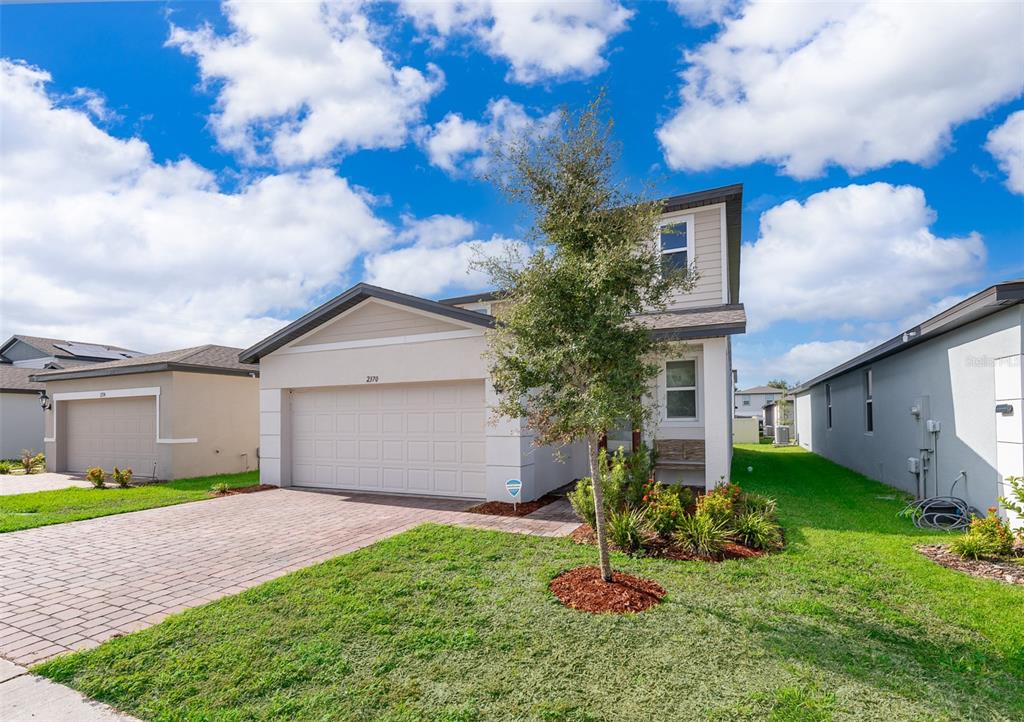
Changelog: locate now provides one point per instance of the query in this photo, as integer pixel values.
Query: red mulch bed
(665, 549)
(1010, 572)
(244, 490)
(503, 508)
(584, 589)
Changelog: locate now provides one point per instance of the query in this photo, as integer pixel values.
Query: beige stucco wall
(55, 459)
(745, 430)
(223, 413)
(220, 411)
(375, 319)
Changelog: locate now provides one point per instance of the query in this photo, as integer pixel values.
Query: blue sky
(188, 173)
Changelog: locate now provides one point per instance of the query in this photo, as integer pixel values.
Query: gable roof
(17, 380)
(760, 390)
(210, 359)
(731, 196)
(984, 303)
(79, 350)
(352, 297)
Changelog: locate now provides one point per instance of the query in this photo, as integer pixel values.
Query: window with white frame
(746, 402)
(828, 406)
(675, 245)
(681, 389)
(869, 405)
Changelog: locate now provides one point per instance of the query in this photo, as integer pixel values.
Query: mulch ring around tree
(1010, 572)
(503, 508)
(660, 548)
(583, 588)
(244, 490)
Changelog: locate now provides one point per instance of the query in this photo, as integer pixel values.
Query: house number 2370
(372, 379)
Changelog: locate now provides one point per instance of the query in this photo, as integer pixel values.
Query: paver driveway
(73, 586)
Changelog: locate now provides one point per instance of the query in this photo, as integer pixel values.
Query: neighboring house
(751, 402)
(170, 415)
(937, 410)
(382, 391)
(21, 416)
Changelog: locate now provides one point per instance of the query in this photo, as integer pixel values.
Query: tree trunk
(602, 540)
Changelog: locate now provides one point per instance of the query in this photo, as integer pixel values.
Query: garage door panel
(415, 438)
(110, 432)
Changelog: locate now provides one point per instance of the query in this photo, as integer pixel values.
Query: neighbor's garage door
(405, 438)
(111, 432)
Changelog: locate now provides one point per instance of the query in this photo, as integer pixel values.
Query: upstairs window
(869, 407)
(828, 406)
(675, 246)
(681, 389)
(746, 402)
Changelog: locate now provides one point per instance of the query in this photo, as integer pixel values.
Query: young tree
(779, 384)
(568, 354)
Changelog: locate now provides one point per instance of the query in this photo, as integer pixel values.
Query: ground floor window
(681, 389)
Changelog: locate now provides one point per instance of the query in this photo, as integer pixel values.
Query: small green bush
(718, 507)
(122, 477)
(756, 530)
(702, 534)
(626, 529)
(1016, 503)
(220, 488)
(96, 476)
(757, 503)
(664, 508)
(30, 460)
(639, 470)
(582, 500)
(6, 467)
(986, 537)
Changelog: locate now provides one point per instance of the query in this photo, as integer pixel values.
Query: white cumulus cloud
(439, 256)
(304, 81)
(540, 40)
(1006, 144)
(101, 243)
(859, 85)
(860, 252)
(455, 144)
(804, 361)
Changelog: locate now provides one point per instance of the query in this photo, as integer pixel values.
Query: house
(751, 402)
(934, 411)
(381, 391)
(171, 415)
(21, 416)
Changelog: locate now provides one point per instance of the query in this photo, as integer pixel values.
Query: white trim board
(385, 341)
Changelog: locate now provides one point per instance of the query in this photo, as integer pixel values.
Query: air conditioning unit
(782, 436)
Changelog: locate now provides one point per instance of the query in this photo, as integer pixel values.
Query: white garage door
(111, 432)
(404, 438)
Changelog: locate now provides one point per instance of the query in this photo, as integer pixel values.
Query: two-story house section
(751, 402)
(381, 391)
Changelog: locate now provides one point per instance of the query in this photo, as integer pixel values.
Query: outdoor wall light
(45, 401)
(1004, 409)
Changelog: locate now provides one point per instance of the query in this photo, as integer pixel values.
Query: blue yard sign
(514, 487)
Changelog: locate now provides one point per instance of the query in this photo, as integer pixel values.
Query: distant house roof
(760, 390)
(984, 303)
(200, 359)
(77, 350)
(352, 297)
(731, 196)
(16, 380)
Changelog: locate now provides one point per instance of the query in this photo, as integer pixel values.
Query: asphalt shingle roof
(16, 379)
(197, 358)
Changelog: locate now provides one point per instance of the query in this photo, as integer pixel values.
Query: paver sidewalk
(46, 481)
(73, 586)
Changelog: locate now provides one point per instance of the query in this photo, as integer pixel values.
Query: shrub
(716, 506)
(96, 476)
(220, 488)
(756, 530)
(1015, 504)
(30, 460)
(6, 467)
(664, 508)
(986, 537)
(122, 477)
(626, 529)
(612, 475)
(702, 534)
(639, 468)
(757, 503)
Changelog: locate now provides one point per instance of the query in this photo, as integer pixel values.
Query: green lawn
(40, 508)
(440, 623)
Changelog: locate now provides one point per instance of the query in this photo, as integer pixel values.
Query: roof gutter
(89, 373)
